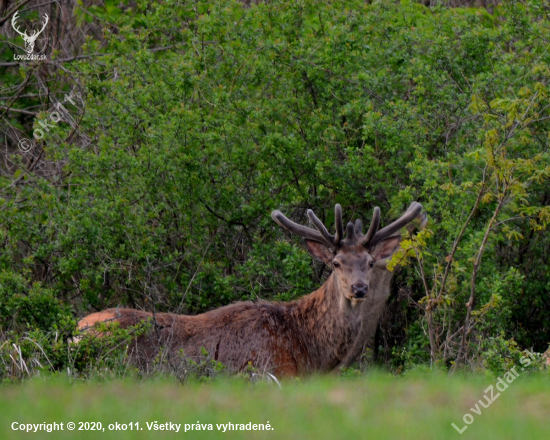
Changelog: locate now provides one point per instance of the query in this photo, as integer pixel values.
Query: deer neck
(370, 313)
(330, 321)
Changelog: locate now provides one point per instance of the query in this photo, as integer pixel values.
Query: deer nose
(359, 290)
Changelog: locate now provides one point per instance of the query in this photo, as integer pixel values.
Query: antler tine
(373, 228)
(328, 238)
(358, 227)
(295, 228)
(419, 222)
(338, 224)
(13, 20)
(414, 210)
(350, 232)
(45, 23)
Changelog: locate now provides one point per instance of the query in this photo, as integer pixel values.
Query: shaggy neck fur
(329, 322)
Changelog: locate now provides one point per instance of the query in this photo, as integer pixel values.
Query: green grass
(375, 406)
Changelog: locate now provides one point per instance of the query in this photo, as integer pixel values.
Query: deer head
(352, 258)
(28, 39)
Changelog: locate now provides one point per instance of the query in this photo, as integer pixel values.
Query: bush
(202, 117)
(26, 307)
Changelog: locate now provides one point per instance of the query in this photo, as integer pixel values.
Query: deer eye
(371, 263)
(335, 264)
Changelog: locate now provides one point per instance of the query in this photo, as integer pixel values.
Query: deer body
(292, 338)
(319, 332)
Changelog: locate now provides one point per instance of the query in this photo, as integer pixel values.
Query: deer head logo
(28, 39)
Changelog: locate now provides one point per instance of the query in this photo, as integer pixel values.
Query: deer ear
(385, 248)
(319, 251)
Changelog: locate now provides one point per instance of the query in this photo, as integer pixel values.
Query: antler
(35, 33)
(13, 20)
(374, 225)
(354, 234)
(373, 237)
(321, 235)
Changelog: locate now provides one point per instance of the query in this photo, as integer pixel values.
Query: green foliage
(415, 351)
(85, 355)
(202, 369)
(499, 355)
(29, 307)
(202, 117)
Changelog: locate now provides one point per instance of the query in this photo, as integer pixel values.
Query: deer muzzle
(359, 291)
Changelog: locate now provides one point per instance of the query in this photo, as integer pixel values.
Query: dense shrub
(202, 117)
(28, 307)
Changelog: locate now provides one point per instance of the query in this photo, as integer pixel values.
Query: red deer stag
(373, 306)
(313, 333)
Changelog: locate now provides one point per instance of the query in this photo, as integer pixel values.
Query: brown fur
(91, 320)
(371, 311)
(292, 338)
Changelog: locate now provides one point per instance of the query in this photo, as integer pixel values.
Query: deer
(29, 39)
(315, 333)
(374, 305)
